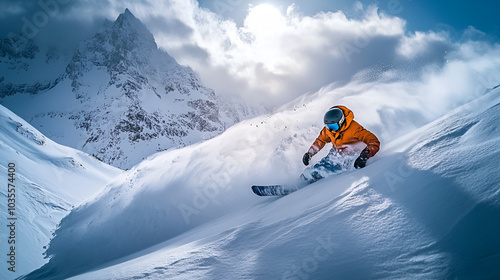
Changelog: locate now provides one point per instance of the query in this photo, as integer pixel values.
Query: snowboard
(273, 190)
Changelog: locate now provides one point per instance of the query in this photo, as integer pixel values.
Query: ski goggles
(333, 126)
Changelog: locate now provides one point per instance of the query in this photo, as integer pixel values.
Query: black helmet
(334, 119)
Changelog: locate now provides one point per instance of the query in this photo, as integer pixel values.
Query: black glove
(361, 160)
(306, 158)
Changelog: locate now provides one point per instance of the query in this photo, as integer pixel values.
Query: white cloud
(279, 54)
(471, 33)
(9, 9)
(419, 43)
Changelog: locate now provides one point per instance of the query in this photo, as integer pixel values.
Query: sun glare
(264, 19)
(267, 26)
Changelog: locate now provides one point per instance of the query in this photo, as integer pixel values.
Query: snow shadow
(462, 227)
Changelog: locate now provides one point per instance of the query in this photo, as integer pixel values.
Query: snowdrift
(49, 180)
(424, 207)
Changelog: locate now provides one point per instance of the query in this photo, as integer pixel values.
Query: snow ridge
(49, 181)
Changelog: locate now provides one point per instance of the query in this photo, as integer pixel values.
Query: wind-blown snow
(50, 179)
(423, 208)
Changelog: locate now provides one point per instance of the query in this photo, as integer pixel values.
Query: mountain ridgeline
(117, 96)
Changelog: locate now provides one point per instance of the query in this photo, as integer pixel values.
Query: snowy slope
(117, 97)
(49, 181)
(423, 208)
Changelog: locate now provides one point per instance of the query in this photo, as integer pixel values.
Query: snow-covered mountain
(117, 97)
(47, 181)
(424, 208)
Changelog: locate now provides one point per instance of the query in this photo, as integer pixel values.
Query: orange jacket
(350, 133)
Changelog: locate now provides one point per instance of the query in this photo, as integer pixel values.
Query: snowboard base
(273, 190)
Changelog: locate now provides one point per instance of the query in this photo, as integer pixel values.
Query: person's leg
(324, 167)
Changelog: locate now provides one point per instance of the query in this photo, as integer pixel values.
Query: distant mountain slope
(49, 180)
(118, 97)
(424, 208)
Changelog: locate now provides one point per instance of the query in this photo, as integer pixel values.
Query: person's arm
(371, 141)
(372, 146)
(318, 144)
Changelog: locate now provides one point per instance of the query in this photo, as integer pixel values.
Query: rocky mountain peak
(128, 33)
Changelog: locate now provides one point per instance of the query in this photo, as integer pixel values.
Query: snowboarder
(341, 130)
